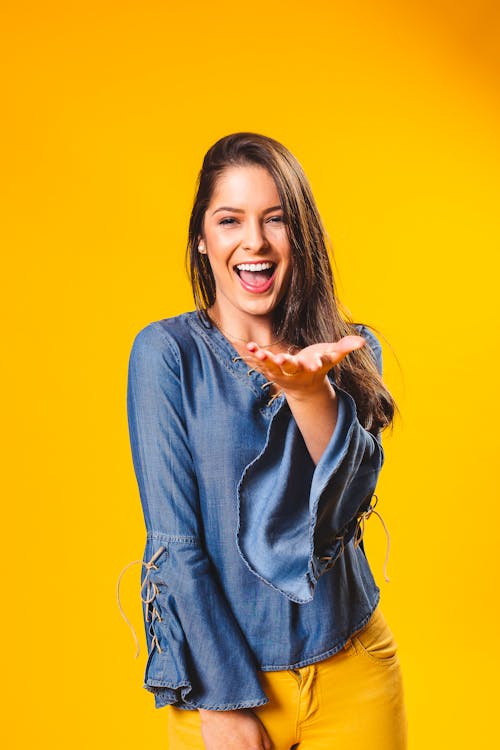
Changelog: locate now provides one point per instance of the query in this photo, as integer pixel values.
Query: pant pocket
(375, 641)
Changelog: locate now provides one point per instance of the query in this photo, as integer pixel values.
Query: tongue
(254, 278)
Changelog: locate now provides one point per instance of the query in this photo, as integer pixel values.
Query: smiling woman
(260, 604)
(247, 245)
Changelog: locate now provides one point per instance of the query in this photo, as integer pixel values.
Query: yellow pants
(351, 700)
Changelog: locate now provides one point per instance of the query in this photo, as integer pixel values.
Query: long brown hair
(309, 311)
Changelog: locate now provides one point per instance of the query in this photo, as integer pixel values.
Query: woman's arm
(198, 656)
(316, 416)
(310, 395)
(315, 475)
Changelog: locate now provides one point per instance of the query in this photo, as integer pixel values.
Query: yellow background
(393, 110)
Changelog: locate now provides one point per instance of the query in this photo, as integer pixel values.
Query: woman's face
(246, 241)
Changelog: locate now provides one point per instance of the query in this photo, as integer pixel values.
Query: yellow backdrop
(393, 110)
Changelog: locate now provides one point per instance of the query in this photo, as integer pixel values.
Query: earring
(201, 249)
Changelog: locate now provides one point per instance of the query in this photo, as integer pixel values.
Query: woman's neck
(243, 328)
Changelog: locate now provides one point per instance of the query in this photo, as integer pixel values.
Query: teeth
(254, 266)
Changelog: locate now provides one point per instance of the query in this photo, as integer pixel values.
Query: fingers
(340, 349)
(277, 363)
(311, 359)
(259, 352)
(264, 355)
(288, 362)
(292, 364)
(265, 739)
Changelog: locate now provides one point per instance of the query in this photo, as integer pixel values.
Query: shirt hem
(325, 654)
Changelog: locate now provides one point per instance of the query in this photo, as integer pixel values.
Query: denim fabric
(249, 561)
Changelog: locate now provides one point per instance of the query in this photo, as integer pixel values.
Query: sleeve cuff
(198, 657)
(292, 513)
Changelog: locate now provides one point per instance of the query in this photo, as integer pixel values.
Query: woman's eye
(231, 220)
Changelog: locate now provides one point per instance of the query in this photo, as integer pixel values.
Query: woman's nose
(254, 237)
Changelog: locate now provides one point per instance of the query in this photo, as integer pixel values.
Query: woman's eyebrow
(241, 211)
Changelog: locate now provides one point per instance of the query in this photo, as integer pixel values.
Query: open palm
(305, 370)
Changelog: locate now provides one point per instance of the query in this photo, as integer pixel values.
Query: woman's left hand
(309, 366)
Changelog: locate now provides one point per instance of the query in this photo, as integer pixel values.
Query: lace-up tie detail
(360, 530)
(264, 385)
(148, 598)
(358, 535)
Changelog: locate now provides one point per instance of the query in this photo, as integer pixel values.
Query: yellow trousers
(351, 700)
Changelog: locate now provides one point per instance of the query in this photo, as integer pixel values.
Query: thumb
(349, 343)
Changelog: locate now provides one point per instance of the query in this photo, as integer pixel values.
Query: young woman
(255, 426)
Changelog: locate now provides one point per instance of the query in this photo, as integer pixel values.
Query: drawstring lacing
(332, 559)
(358, 535)
(151, 592)
(360, 530)
(276, 395)
(269, 382)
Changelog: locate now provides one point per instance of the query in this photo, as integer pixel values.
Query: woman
(255, 425)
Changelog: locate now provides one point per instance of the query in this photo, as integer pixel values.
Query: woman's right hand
(239, 729)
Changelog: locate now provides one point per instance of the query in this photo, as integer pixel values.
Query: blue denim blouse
(251, 560)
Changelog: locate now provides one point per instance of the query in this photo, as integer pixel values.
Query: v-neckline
(230, 355)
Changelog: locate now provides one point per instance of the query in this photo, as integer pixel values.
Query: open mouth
(256, 276)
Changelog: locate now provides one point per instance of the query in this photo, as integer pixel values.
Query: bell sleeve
(198, 656)
(294, 517)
